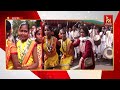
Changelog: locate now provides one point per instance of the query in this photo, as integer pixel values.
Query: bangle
(81, 57)
(27, 68)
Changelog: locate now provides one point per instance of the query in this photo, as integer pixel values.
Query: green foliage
(30, 22)
(94, 22)
(16, 24)
(38, 23)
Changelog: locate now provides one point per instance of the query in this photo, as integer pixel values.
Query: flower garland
(24, 51)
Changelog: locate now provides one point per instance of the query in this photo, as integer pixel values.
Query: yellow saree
(50, 57)
(39, 52)
(10, 49)
(25, 52)
(67, 56)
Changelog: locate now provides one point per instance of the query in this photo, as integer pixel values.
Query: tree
(31, 22)
(38, 23)
(15, 24)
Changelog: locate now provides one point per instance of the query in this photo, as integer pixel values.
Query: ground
(101, 64)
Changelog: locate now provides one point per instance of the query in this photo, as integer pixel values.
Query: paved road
(100, 65)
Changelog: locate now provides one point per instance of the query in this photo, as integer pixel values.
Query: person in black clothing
(56, 32)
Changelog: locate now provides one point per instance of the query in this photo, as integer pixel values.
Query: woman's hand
(17, 66)
(80, 61)
(45, 57)
(63, 56)
(25, 68)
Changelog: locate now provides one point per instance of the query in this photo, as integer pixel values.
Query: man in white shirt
(75, 34)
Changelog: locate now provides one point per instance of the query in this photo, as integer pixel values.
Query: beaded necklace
(24, 51)
(49, 45)
(64, 46)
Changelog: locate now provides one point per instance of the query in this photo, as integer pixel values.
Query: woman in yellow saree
(11, 51)
(11, 56)
(51, 60)
(38, 36)
(27, 49)
(67, 51)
